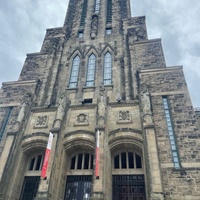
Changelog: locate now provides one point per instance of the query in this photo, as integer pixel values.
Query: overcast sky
(24, 22)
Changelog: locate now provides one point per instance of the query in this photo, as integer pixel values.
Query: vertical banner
(97, 155)
(47, 155)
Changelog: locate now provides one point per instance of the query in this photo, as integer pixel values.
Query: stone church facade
(99, 77)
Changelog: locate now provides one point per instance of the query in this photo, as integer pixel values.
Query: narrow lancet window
(97, 6)
(74, 72)
(84, 13)
(91, 70)
(107, 74)
(109, 12)
(171, 133)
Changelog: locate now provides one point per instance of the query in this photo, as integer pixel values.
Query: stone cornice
(17, 83)
(43, 109)
(9, 105)
(161, 70)
(57, 28)
(148, 41)
(83, 107)
(124, 104)
(36, 54)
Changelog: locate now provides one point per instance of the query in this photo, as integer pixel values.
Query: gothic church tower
(122, 122)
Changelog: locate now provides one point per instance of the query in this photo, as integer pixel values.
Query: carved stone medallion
(124, 116)
(82, 120)
(41, 122)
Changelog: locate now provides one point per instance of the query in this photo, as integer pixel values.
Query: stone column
(98, 190)
(153, 169)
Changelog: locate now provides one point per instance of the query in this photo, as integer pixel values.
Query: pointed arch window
(107, 73)
(97, 6)
(74, 72)
(91, 70)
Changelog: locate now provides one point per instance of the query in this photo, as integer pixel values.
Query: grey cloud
(24, 24)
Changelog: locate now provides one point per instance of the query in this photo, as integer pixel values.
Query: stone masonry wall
(198, 118)
(171, 83)
(35, 67)
(147, 54)
(179, 186)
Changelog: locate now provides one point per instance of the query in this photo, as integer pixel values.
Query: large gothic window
(91, 70)
(32, 178)
(107, 73)
(74, 72)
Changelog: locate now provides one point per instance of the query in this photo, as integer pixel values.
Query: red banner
(97, 155)
(45, 163)
(47, 156)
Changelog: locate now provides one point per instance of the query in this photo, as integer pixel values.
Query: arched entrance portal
(79, 151)
(128, 177)
(79, 177)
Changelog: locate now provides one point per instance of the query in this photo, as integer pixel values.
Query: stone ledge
(161, 70)
(15, 83)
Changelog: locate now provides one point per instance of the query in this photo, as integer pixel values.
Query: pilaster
(153, 173)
